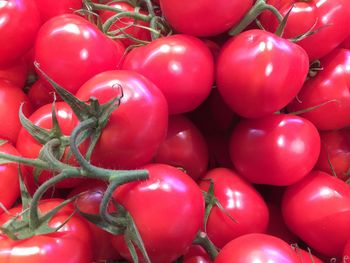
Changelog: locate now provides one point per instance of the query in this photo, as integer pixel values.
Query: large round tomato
(49, 9)
(257, 248)
(204, 17)
(181, 66)
(137, 127)
(279, 149)
(317, 209)
(19, 24)
(185, 147)
(329, 92)
(168, 210)
(71, 50)
(11, 97)
(256, 73)
(240, 200)
(70, 244)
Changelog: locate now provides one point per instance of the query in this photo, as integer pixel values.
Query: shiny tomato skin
(240, 200)
(269, 79)
(137, 127)
(184, 147)
(257, 248)
(204, 17)
(71, 243)
(196, 254)
(279, 149)
(168, 210)
(49, 8)
(20, 22)
(71, 50)
(317, 210)
(335, 153)
(11, 97)
(329, 92)
(30, 148)
(181, 66)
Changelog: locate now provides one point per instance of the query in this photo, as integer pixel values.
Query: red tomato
(346, 253)
(346, 43)
(89, 202)
(240, 200)
(15, 73)
(19, 24)
(257, 248)
(30, 148)
(128, 24)
(184, 147)
(219, 154)
(329, 18)
(71, 50)
(11, 97)
(70, 244)
(317, 209)
(168, 210)
(329, 86)
(49, 8)
(335, 153)
(137, 127)
(305, 256)
(268, 81)
(279, 149)
(39, 94)
(181, 66)
(196, 254)
(204, 17)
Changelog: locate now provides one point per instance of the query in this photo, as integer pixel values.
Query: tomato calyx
(203, 240)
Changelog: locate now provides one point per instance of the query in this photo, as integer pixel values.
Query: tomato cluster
(171, 131)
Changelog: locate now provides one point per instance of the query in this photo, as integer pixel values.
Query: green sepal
(280, 29)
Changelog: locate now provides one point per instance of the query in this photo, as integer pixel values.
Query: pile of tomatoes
(174, 131)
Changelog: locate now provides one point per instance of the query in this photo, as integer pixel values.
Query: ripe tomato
(204, 17)
(305, 256)
(39, 94)
(346, 43)
(196, 254)
(128, 24)
(71, 50)
(30, 148)
(16, 73)
(185, 147)
(168, 210)
(19, 24)
(49, 9)
(137, 127)
(335, 153)
(240, 200)
(329, 86)
(346, 253)
(181, 66)
(70, 244)
(329, 19)
(257, 248)
(268, 81)
(11, 97)
(279, 149)
(317, 209)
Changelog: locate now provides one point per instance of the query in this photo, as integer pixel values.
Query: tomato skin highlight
(268, 81)
(279, 149)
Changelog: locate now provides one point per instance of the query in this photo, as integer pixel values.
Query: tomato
(317, 209)
(196, 254)
(86, 51)
(137, 127)
(219, 154)
(30, 147)
(181, 66)
(19, 24)
(306, 256)
(335, 153)
(329, 19)
(15, 73)
(129, 25)
(279, 149)
(346, 253)
(346, 43)
(71, 243)
(168, 210)
(89, 201)
(39, 94)
(49, 9)
(257, 248)
(240, 200)
(329, 92)
(11, 97)
(204, 17)
(268, 81)
(184, 147)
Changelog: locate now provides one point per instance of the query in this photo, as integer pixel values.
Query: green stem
(253, 13)
(27, 161)
(110, 21)
(150, 8)
(203, 240)
(49, 156)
